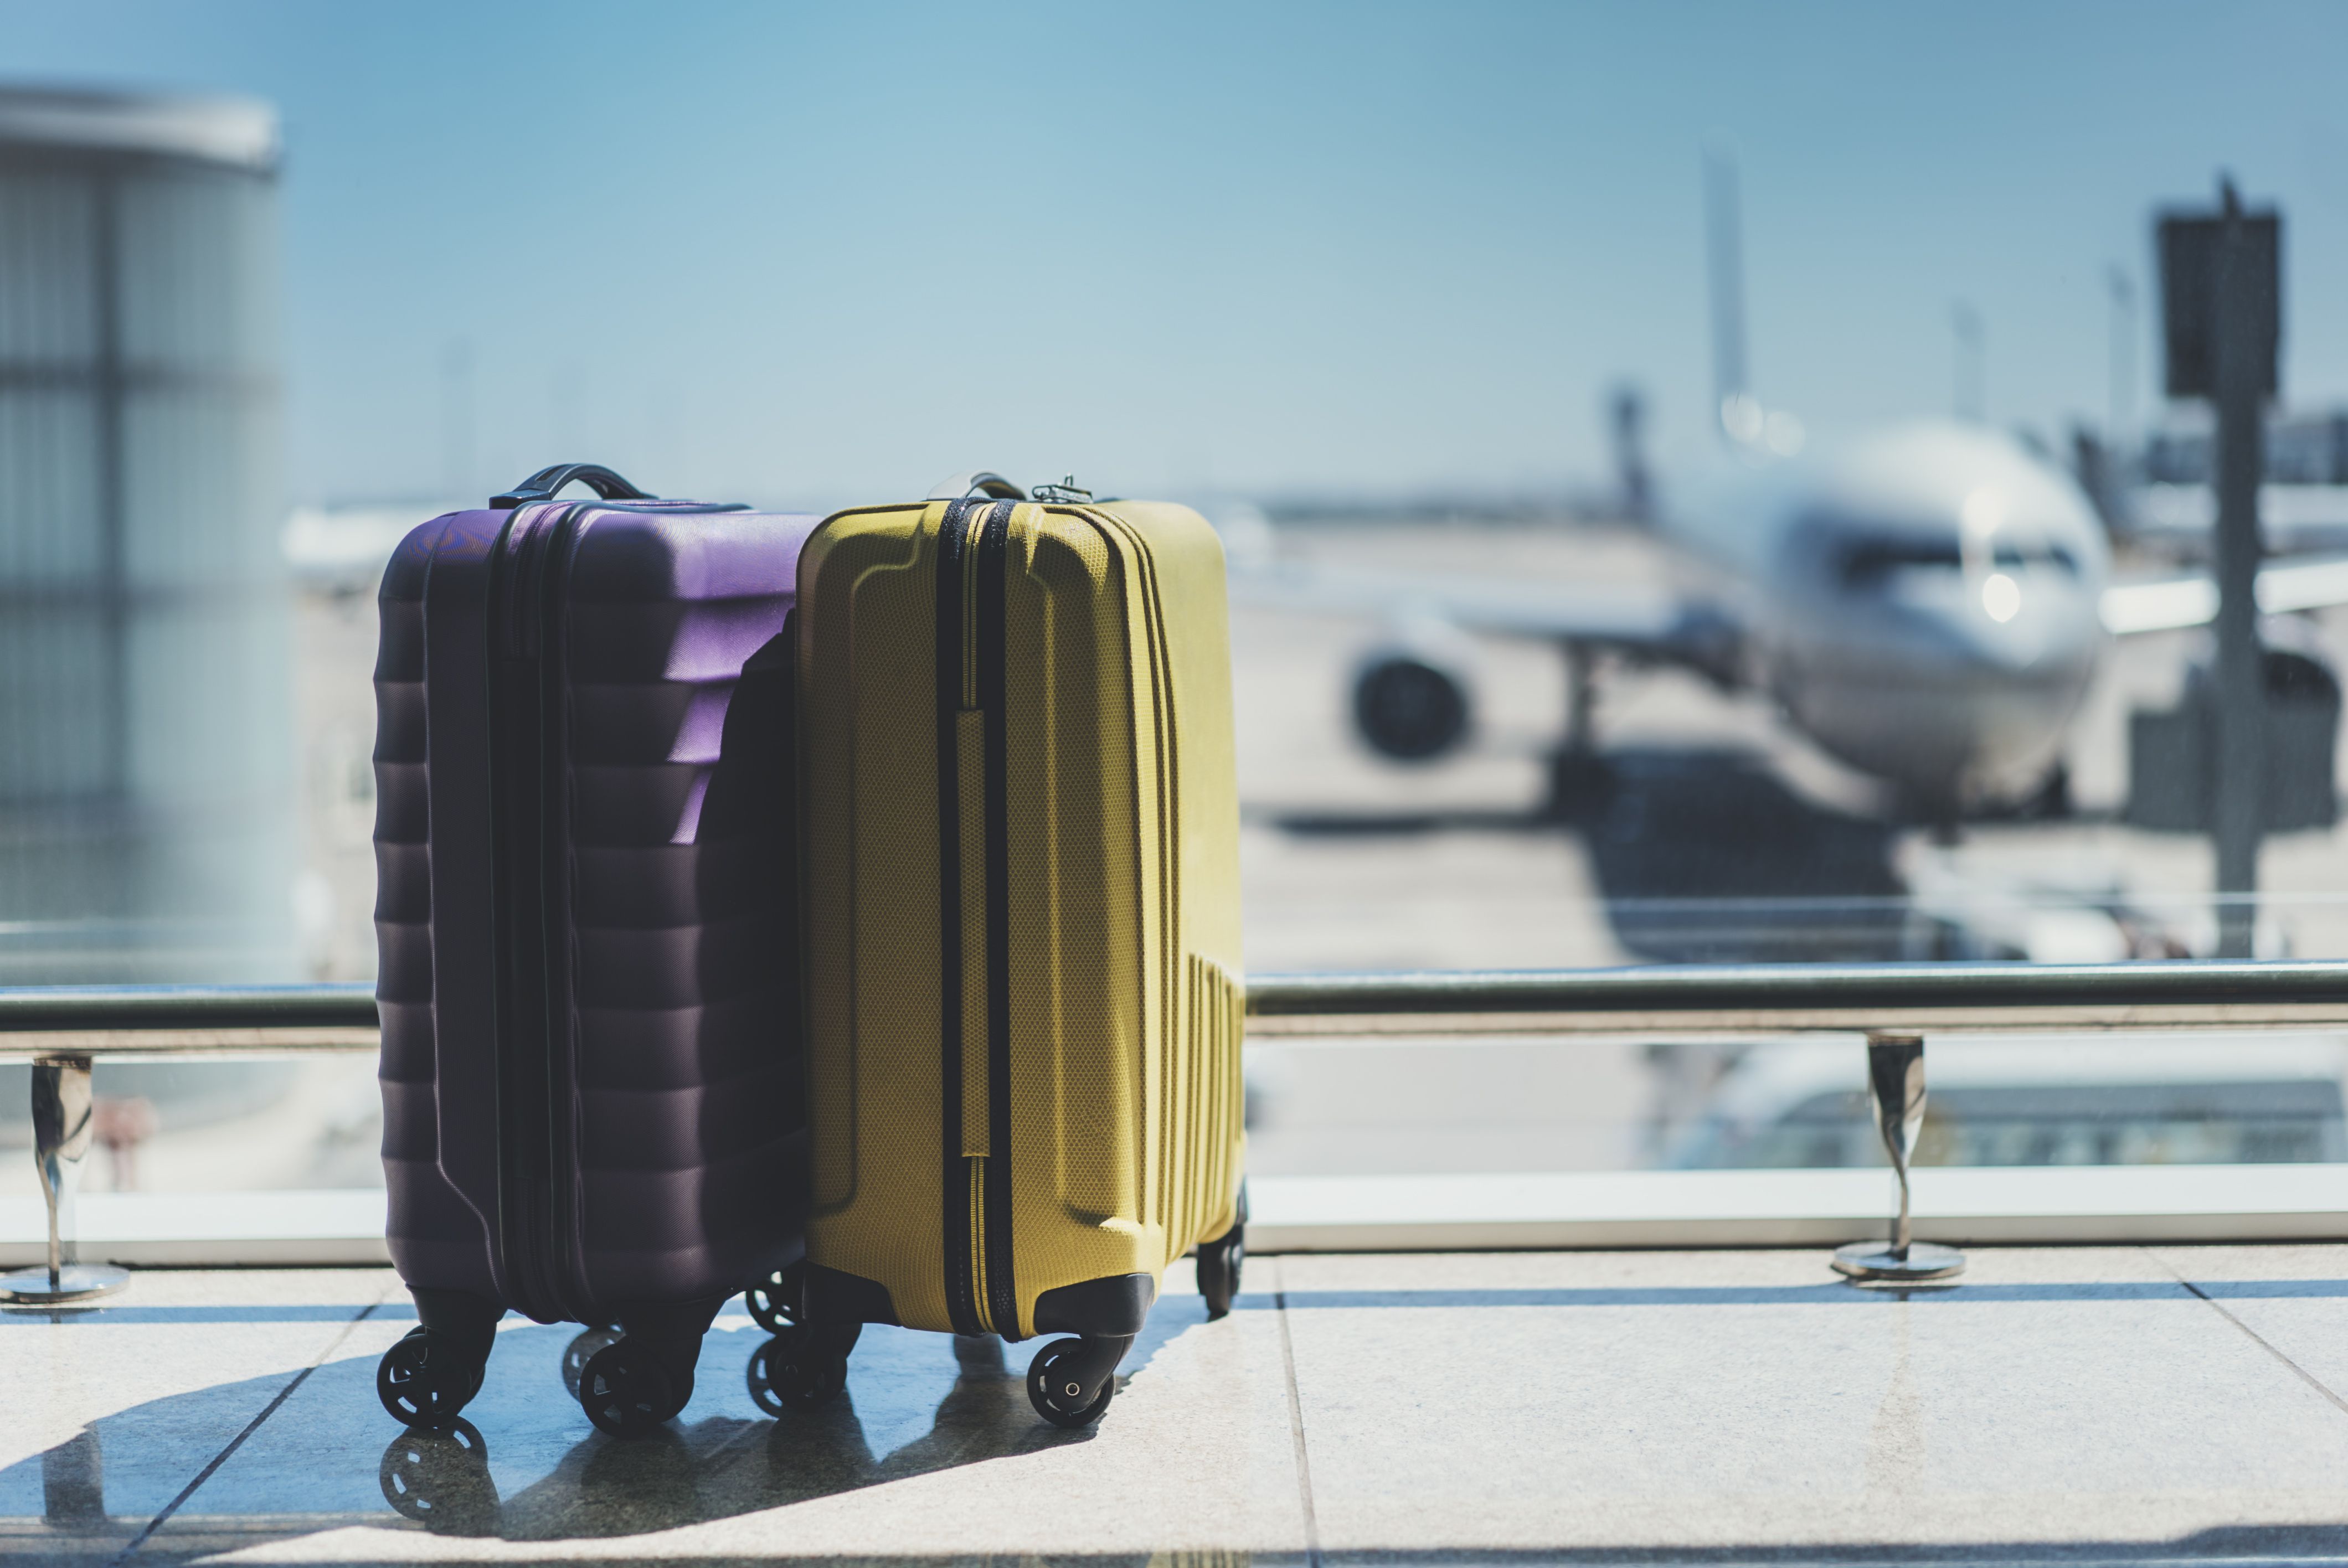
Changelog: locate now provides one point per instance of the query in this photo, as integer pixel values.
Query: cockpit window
(2009, 555)
(1866, 562)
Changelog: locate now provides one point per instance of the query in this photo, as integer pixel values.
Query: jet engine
(1413, 694)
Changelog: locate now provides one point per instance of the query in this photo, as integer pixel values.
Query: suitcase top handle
(544, 485)
(977, 482)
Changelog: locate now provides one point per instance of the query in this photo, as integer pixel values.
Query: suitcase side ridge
(435, 1232)
(1087, 896)
(462, 840)
(870, 825)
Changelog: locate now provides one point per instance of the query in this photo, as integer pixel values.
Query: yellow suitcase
(1020, 825)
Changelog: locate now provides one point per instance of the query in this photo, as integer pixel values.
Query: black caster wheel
(423, 1381)
(774, 1302)
(796, 1372)
(581, 1350)
(626, 1392)
(441, 1479)
(1220, 1262)
(1057, 1395)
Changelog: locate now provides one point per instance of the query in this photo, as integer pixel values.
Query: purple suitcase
(591, 1075)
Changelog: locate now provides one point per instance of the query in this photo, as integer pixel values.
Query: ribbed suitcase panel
(675, 1048)
(678, 969)
(659, 1229)
(671, 639)
(665, 1129)
(653, 886)
(686, 1072)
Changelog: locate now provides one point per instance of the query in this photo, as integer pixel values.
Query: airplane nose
(2016, 623)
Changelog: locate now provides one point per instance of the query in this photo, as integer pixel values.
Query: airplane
(1928, 603)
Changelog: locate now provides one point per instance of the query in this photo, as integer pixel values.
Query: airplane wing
(1644, 621)
(2179, 603)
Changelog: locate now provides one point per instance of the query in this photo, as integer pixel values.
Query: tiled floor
(2083, 1404)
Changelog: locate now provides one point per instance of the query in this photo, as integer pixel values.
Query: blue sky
(817, 253)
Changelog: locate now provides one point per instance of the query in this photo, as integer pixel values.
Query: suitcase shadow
(721, 1467)
(917, 1403)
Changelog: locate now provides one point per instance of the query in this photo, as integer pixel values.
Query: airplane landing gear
(2050, 801)
(1580, 781)
(1580, 785)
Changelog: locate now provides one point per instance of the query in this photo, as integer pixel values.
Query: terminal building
(146, 794)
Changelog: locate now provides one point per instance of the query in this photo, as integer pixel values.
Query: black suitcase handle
(544, 485)
(977, 482)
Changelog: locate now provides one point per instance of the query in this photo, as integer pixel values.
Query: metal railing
(185, 1021)
(1693, 1000)
(64, 1029)
(1699, 1000)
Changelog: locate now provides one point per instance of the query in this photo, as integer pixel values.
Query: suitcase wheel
(1219, 1262)
(795, 1369)
(627, 1392)
(424, 1380)
(774, 1302)
(581, 1350)
(1071, 1381)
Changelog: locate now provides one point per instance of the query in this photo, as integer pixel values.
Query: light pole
(2221, 314)
(1970, 398)
(2121, 414)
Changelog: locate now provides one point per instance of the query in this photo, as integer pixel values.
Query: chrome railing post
(62, 1131)
(1895, 1081)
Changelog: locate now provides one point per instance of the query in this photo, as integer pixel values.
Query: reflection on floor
(2095, 1404)
(715, 1467)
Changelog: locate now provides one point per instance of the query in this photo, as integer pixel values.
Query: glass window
(1660, 531)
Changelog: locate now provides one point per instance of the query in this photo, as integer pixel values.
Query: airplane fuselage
(1923, 603)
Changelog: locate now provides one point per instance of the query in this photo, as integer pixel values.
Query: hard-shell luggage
(591, 1075)
(1020, 852)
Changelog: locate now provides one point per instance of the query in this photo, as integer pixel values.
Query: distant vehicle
(2199, 1100)
(1927, 604)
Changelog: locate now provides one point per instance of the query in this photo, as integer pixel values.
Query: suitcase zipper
(957, 672)
(990, 1174)
(972, 865)
(537, 1213)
